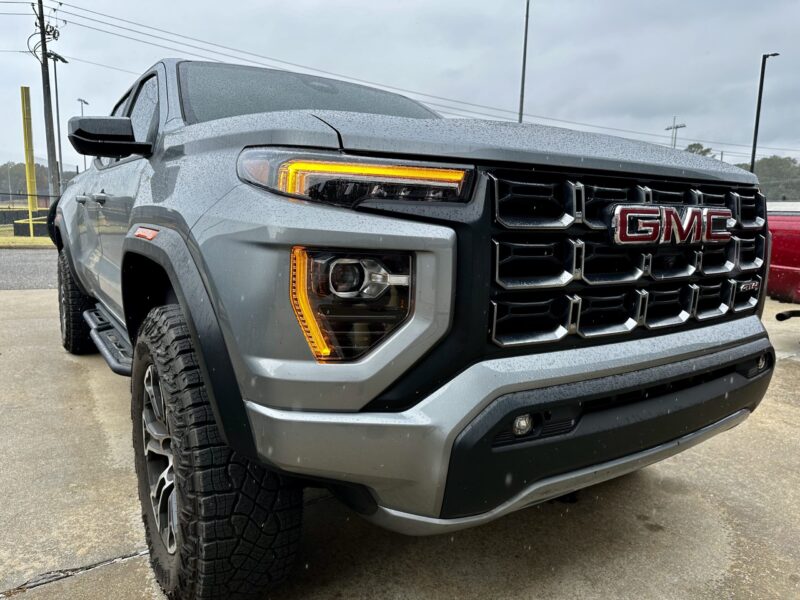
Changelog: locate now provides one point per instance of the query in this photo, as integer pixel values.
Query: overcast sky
(627, 64)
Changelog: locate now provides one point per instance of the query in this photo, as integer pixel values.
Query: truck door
(85, 248)
(87, 253)
(119, 185)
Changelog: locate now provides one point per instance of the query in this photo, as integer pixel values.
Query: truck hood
(478, 140)
(280, 128)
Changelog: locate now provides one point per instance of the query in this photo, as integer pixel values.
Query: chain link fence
(21, 225)
(23, 220)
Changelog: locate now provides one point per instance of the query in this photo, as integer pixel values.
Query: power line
(444, 109)
(213, 51)
(140, 41)
(81, 60)
(276, 60)
(747, 146)
(746, 154)
(465, 110)
(448, 109)
(89, 62)
(494, 108)
(340, 75)
(298, 65)
(158, 37)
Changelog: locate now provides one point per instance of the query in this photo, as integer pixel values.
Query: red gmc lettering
(637, 225)
(715, 224)
(686, 230)
(666, 224)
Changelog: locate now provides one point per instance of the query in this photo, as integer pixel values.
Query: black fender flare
(52, 212)
(170, 251)
(55, 225)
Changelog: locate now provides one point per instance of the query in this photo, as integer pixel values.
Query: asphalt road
(28, 269)
(719, 520)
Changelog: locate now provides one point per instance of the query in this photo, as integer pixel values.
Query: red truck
(784, 270)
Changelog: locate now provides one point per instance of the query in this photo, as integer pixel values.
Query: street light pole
(524, 60)
(764, 58)
(56, 59)
(82, 102)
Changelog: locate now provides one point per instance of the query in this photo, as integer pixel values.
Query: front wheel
(218, 525)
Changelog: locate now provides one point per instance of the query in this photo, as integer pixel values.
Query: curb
(27, 246)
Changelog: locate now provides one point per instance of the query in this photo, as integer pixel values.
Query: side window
(144, 112)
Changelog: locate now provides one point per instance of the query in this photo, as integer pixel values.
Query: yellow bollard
(30, 168)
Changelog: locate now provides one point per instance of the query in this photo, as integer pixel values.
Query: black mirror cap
(110, 137)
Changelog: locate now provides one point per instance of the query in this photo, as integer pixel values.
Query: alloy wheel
(157, 448)
(62, 309)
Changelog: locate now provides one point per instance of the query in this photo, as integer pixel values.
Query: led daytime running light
(302, 307)
(292, 174)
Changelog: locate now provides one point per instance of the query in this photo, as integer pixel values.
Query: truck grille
(558, 273)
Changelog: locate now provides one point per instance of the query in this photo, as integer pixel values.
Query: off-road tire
(72, 303)
(238, 524)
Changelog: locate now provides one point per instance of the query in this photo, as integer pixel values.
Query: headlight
(348, 180)
(347, 302)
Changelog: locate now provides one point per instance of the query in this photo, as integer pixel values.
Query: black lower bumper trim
(617, 416)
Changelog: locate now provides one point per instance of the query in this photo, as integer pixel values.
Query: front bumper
(558, 485)
(408, 463)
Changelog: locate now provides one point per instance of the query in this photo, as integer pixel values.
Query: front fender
(170, 251)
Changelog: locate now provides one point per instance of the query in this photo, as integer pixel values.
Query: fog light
(762, 362)
(345, 305)
(522, 425)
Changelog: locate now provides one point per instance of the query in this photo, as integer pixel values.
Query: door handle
(81, 199)
(100, 198)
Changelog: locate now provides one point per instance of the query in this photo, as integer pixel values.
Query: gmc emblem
(665, 224)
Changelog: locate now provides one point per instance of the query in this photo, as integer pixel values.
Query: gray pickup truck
(315, 283)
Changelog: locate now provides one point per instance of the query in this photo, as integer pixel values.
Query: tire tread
(240, 523)
(75, 339)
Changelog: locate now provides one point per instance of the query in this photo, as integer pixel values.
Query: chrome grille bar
(558, 273)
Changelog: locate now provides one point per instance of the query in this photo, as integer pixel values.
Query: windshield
(214, 90)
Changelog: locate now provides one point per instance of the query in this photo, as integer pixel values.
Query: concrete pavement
(720, 520)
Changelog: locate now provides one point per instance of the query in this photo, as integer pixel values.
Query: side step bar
(110, 339)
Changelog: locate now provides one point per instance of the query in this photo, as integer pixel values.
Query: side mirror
(105, 136)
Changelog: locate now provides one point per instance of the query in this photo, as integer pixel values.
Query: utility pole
(56, 59)
(674, 128)
(764, 58)
(524, 60)
(52, 166)
(82, 102)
